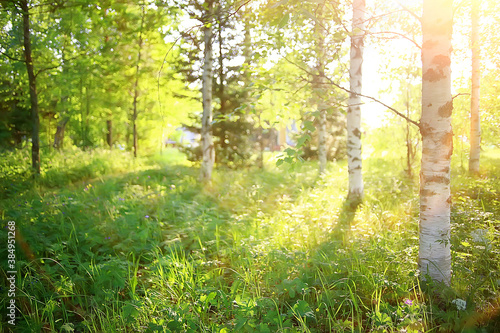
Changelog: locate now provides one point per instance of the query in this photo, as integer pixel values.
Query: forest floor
(105, 243)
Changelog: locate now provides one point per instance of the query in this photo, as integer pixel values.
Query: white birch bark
(475, 122)
(354, 111)
(207, 145)
(437, 141)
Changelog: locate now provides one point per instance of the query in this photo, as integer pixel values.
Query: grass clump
(113, 245)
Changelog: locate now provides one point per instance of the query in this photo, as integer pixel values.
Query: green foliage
(336, 136)
(142, 246)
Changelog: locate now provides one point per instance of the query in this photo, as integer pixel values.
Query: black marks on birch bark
(436, 179)
(432, 75)
(442, 61)
(426, 192)
(425, 129)
(445, 169)
(446, 110)
(447, 141)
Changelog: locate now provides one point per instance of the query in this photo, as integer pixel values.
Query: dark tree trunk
(35, 118)
(109, 134)
(59, 136)
(136, 84)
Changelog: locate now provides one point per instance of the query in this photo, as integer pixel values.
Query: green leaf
(308, 126)
(302, 140)
(263, 328)
(130, 310)
(68, 327)
(284, 20)
(241, 322)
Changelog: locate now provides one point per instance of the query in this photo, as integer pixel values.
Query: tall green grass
(109, 244)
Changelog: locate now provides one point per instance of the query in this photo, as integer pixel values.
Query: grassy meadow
(106, 243)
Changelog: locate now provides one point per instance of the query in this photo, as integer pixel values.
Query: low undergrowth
(107, 244)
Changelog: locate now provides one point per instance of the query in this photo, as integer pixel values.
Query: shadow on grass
(341, 231)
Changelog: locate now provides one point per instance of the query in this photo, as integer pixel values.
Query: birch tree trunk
(35, 118)
(354, 111)
(437, 141)
(475, 122)
(207, 145)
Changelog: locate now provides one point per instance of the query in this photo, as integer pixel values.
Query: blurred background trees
(277, 65)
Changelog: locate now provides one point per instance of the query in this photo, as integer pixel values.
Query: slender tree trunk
(261, 142)
(247, 45)
(59, 136)
(409, 146)
(475, 122)
(82, 116)
(109, 133)
(437, 141)
(35, 118)
(207, 145)
(87, 110)
(319, 88)
(221, 88)
(322, 151)
(354, 111)
(136, 85)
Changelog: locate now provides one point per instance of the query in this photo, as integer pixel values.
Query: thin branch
(419, 19)
(296, 91)
(170, 49)
(361, 95)
(334, 10)
(47, 69)
(62, 63)
(460, 94)
(374, 18)
(397, 34)
(237, 10)
(11, 58)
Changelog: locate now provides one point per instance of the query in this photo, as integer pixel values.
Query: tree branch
(419, 19)
(411, 121)
(11, 58)
(61, 64)
(397, 34)
(460, 94)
